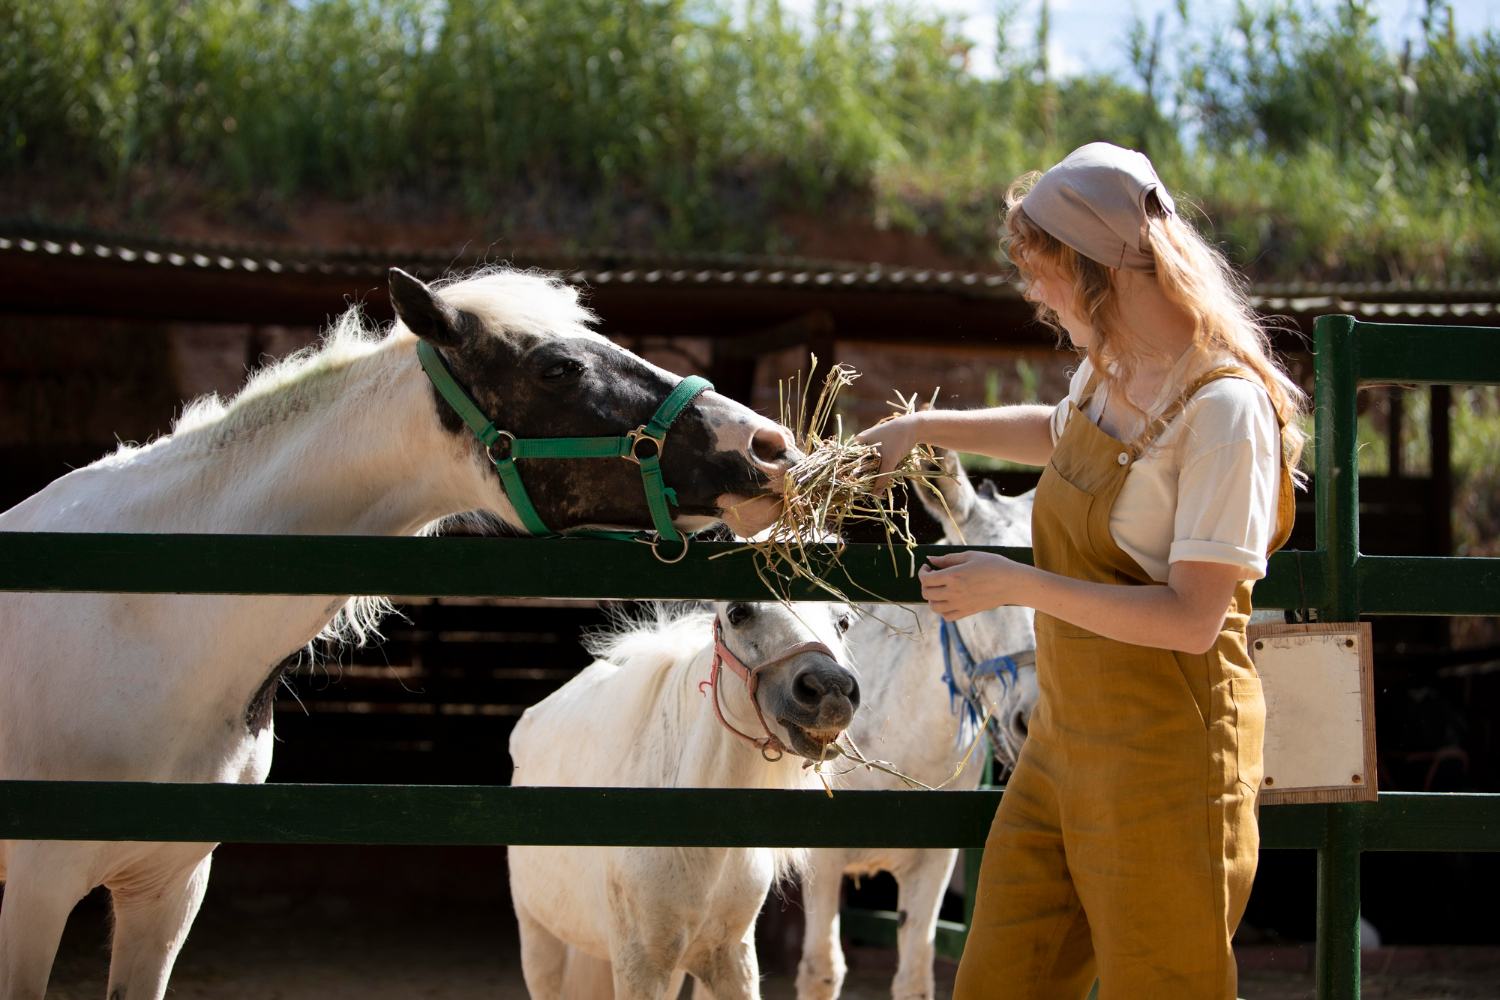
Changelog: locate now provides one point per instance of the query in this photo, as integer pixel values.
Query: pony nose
(772, 449)
(823, 686)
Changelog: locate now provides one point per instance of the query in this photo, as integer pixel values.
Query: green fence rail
(1335, 580)
(453, 815)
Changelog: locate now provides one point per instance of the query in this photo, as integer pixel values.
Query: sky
(1090, 34)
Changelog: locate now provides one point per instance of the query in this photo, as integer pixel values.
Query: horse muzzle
(817, 702)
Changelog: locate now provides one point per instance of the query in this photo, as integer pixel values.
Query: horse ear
(424, 314)
(950, 480)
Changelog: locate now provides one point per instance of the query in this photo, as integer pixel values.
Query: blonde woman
(1126, 843)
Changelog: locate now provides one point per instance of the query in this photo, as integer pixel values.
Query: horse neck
(710, 756)
(905, 714)
(356, 449)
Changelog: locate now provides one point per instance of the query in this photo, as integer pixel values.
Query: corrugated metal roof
(1387, 301)
(593, 267)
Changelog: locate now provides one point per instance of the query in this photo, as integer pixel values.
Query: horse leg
(820, 974)
(153, 911)
(44, 881)
(586, 977)
(920, 891)
(544, 958)
(728, 972)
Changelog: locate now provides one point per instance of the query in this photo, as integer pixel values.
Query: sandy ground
(294, 925)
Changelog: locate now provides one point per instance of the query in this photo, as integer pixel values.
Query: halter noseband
(503, 448)
(769, 744)
(1004, 668)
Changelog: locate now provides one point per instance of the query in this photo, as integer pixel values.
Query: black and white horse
(347, 438)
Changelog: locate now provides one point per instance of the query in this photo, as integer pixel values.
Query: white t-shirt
(1206, 489)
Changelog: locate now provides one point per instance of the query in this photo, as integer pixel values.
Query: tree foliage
(1312, 148)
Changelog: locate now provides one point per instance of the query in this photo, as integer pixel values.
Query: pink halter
(769, 744)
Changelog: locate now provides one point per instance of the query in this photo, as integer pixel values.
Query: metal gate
(1334, 579)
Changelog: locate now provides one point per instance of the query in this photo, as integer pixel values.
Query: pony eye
(738, 614)
(844, 622)
(561, 369)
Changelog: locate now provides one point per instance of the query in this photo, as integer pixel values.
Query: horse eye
(738, 614)
(844, 622)
(561, 369)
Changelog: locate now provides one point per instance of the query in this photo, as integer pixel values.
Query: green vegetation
(699, 124)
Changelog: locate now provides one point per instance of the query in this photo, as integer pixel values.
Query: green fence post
(1336, 371)
(1338, 905)
(1336, 387)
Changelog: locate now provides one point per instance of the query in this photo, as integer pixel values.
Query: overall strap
(1089, 388)
(1171, 413)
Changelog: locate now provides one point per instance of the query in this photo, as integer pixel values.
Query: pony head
(522, 347)
(984, 517)
(806, 700)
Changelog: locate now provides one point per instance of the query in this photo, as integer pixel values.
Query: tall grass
(1310, 147)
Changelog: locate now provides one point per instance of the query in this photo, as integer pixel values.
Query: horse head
(522, 348)
(1008, 691)
(804, 695)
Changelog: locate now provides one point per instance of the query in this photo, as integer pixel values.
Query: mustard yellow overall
(1126, 842)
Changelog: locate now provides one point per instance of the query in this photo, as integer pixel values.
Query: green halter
(627, 446)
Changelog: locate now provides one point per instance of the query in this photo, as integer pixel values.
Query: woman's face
(1056, 293)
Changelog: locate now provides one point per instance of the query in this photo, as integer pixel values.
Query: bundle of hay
(834, 487)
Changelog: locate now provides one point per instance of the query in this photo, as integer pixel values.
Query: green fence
(1334, 579)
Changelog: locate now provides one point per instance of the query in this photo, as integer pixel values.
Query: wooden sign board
(1320, 711)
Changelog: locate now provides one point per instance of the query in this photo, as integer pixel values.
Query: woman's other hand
(966, 583)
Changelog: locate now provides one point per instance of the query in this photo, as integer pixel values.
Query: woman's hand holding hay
(841, 481)
(894, 439)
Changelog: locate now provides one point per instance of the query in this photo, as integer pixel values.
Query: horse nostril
(769, 445)
(1019, 724)
(808, 688)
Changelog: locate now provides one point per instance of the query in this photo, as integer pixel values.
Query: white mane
(504, 299)
(652, 639)
(520, 301)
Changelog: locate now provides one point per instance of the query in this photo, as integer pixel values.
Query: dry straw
(836, 486)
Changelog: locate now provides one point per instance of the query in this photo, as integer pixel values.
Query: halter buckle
(636, 437)
(508, 440)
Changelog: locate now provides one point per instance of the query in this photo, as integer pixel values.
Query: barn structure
(103, 335)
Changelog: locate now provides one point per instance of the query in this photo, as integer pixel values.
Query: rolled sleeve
(1226, 498)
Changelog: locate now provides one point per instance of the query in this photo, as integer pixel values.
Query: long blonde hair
(1191, 274)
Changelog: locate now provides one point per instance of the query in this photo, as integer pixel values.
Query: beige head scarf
(1095, 202)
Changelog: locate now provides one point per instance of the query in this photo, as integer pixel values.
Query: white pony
(915, 720)
(350, 438)
(656, 711)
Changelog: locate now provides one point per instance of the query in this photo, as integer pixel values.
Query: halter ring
(509, 440)
(656, 551)
(636, 437)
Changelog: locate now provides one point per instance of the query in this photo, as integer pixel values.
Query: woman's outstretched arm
(1020, 433)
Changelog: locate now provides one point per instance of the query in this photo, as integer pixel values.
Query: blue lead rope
(1002, 668)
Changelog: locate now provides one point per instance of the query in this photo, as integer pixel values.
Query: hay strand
(836, 485)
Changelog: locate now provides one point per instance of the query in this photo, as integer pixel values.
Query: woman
(1127, 841)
